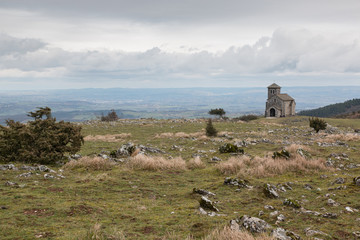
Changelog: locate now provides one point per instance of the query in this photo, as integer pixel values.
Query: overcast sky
(57, 44)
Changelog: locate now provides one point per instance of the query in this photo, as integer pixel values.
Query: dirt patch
(55, 189)
(80, 210)
(148, 230)
(45, 212)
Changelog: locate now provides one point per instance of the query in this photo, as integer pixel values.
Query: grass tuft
(156, 163)
(228, 234)
(195, 163)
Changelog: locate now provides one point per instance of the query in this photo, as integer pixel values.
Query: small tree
(42, 141)
(210, 129)
(112, 116)
(217, 111)
(317, 124)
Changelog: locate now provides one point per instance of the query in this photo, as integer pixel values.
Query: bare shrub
(228, 234)
(90, 163)
(108, 137)
(195, 163)
(261, 167)
(156, 163)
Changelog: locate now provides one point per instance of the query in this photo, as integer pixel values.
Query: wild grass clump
(143, 162)
(179, 135)
(96, 232)
(341, 137)
(90, 163)
(244, 166)
(195, 163)
(228, 234)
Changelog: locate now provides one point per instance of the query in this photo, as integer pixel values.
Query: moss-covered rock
(292, 203)
(230, 148)
(270, 191)
(282, 154)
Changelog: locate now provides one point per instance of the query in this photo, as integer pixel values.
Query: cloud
(11, 45)
(285, 53)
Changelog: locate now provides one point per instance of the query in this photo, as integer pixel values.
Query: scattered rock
(269, 207)
(303, 210)
(241, 183)
(48, 176)
(330, 215)
(282, 154)
(351, 210)
(357, 181)
(11, 184)
(280, 234)
(270, 191)
(126, 150)
(203, 192)
(280, 218)
(216, 159)
(339, 180)
(356, 235)
(207, 204)
(8, 167)
(261, 213)
(310, 232)
(291, 203)
(150, 149)
(308, 186)
(76, 156)
(331, 202)
(274, 214)
(252, 224)
(303, 153)
(28, 174)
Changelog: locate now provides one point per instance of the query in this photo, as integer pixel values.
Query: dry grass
(195, 163)
(180, 135)
(90, 163)
(108, 137)
(228, 234)
(244, 166)
(156, 163)
(92, 177)
(340, 137)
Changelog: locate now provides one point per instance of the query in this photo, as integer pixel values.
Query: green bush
(217, 111)
(317, 124)
(210, 129)
(111, 116)
(247, 118)
(43, 141)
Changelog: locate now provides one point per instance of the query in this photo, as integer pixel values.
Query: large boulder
(126, 150)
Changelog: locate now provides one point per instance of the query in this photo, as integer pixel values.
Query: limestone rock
(270, 191)
(280, 234)
(203, 192)
(207, 204)
(252, 224)
(357, 181)
(241, 183)
(339, 180)
(330, 215)
(48, 176)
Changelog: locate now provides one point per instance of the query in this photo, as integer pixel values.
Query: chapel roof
(285, 97)
(274, 85)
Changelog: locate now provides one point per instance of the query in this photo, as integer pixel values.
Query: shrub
(217, 111)
(317, 124)
(210, 129)
(248, 118)
(111, 116)
(43, 141)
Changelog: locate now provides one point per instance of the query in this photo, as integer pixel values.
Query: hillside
(108, 194)
(347, 109)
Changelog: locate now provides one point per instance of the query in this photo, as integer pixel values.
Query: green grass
(156, 204)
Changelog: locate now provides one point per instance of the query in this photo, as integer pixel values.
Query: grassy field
(128, 200)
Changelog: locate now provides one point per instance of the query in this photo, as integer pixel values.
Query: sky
(63, 44)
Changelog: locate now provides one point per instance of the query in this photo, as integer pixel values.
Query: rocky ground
(165, 179)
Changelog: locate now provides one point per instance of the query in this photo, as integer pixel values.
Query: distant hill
(348, 109)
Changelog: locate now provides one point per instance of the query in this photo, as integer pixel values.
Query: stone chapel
(279, 104)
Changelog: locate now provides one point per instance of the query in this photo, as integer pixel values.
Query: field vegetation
(103, 193)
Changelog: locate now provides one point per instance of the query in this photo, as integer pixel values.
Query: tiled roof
(285, 97)
(274, 85)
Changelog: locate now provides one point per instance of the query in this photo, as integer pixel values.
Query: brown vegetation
(195, 163)
(143, 162)
(228, 234)
(108, 137)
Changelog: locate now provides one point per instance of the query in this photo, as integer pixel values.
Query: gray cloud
(11, 45)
